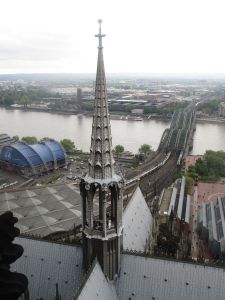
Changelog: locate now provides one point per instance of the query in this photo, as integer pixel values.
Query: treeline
(67, 144)
(144, 149)
(30, 140)
(209, 107)
(127, 108)
(210, 168)
(70, 147)
(168, 109)
(23, 96)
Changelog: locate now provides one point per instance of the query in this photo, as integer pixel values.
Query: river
(131, 134)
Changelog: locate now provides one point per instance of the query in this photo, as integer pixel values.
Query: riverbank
(113, 115)
(210, 120)
(39, 109)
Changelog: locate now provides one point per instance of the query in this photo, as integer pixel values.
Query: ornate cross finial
(100, 35)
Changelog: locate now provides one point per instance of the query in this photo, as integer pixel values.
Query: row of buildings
(173, 220)
(211, 226)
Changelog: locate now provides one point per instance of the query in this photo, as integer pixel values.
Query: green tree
(87, 106)
(201, 168)
(8, 99)
(68, 145)
(150, 110)
(209, 107)
(30, 140)
(210, 167)
(145, 149)
(191, 173)
(45, 139)
(129, 107)
(215, 162)
(24, 100)
(118, 149)
(16, 138)
(189, 184)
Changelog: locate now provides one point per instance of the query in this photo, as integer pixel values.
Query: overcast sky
(152, 36)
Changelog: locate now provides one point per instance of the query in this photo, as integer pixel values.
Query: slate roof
(44, 210)
(137, 223)
(46, 264)
(97, 286)
(149, 278)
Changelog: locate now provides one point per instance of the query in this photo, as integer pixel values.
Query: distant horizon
(194, 75)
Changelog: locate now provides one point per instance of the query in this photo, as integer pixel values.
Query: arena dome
(33, 159)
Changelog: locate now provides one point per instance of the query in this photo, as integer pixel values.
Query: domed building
(33, 159)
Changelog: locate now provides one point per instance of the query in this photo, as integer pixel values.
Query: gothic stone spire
(102, 229)
(101, 159)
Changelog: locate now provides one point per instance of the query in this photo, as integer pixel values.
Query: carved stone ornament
(105, 187)
(87, 186)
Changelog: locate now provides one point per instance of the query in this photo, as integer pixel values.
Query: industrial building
(5, 140)
(211, 226)
(173, 219)
(79, 95)
(34, 159)
(174, 201)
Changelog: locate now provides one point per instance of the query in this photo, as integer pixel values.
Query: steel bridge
(175, 144)
(177, 137)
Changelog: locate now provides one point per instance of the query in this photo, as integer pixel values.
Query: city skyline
(117, 225)
(143, 37)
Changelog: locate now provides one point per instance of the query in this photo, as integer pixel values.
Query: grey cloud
(35, 46)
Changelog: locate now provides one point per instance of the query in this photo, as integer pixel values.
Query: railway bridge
(175, 144)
